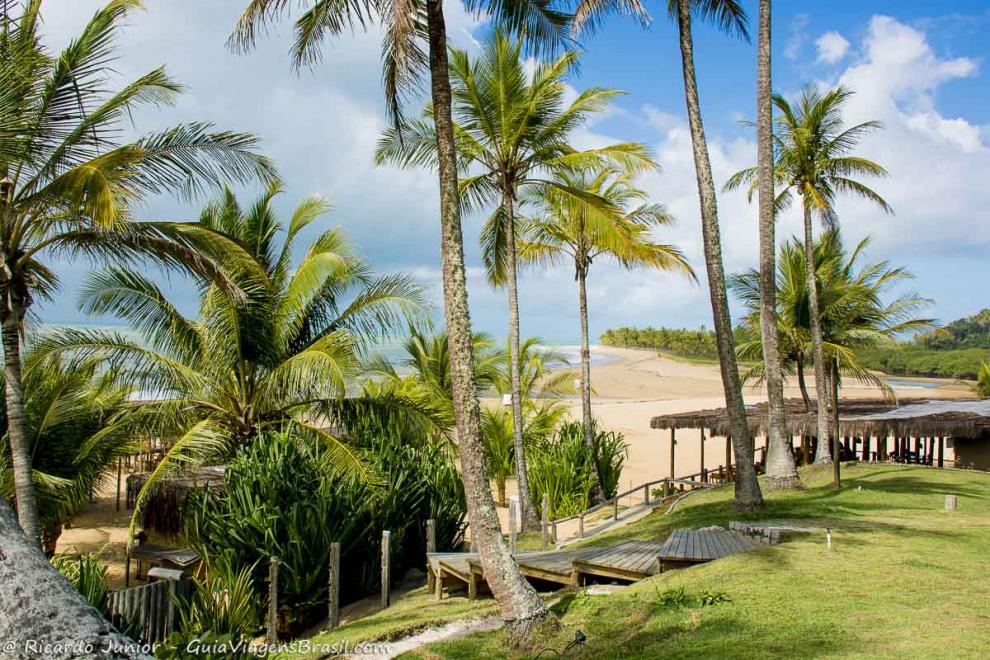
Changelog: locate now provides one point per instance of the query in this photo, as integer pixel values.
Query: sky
(918, 67)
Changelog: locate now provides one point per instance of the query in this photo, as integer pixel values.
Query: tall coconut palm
(729, 16)
(857, 308)
(512, 128)
(67, 180)
(813, 160)
(283, 359)
(781, 470)
(409, 25)
(567, 226)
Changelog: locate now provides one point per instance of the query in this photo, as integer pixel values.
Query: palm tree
(283, 359)
(568, 227)
(854, 313)
(66, 179)
(422, 376)
(408, 25)
(781, 470)
(729, 16)
(71, 414)
(812, 159)
(512, 129)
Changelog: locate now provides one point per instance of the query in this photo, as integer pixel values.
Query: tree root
(533, 632)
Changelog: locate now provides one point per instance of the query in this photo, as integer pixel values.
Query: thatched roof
(163, 508)
(865, 417)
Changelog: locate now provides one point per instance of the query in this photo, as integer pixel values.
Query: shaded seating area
(918, 432)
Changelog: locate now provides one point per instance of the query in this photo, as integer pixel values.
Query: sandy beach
(636, 385)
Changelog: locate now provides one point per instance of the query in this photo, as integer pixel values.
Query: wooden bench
(158, 555)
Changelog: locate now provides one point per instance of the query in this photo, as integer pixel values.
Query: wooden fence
(148, 611)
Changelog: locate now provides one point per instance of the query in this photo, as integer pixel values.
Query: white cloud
(832, 47)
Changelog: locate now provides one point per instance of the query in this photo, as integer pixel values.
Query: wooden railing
(704, 479)
(148, 611)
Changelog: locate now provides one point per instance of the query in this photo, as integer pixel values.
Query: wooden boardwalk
(631, 560)
(692, 546)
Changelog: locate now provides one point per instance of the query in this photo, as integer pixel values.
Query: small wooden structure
(694, 546)
(869, 429)
(631, 560)
(149, 608)
(158, 555)
(628, 561)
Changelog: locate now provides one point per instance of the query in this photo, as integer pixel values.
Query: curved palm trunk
(530, 521)
(802, 385)
(597, 494)
(521, 606)
(41, 607)
(781, 472)
(20, 452)
(747, 495)
(822, 455)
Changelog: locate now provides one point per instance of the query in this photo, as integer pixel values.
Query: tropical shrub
(279, 501)
(223, 600)
(496, 434)
(561, 467)
(983, 381)
(73, 429)
(87, 574)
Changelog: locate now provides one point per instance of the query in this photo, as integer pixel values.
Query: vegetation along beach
(516, 329)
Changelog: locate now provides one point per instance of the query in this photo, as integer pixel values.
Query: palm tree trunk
(520, 605)
(834, 389)
(747, 493)
(781, 471)
(40, 606)
(530, 521)
(597, 494)
(817, 342)
(802, 385)
(27, 504)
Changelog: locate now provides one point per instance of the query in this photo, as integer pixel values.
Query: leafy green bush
(909, 360)
(87, 574)
(278, 501)
(224, 600)
(561, 467)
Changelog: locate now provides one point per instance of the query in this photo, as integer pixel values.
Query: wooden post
(941, 451)
(702, 453)
(512, 528)
(386, 567)
(866, 448)
(666, 488)
(917, 450)
(546, 520)
(950, 502)
(120, 469)
(431, 535)
(438, 594)
(333, 589)
(646, 494)
(673, 441)
(272, 618)
(615, 508)
(127, 567)
(581, 526)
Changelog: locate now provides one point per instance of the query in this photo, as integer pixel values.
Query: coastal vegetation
(277, 383)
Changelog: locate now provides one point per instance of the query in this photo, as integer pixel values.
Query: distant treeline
(952, 351)
(677, 341)
(912, 360)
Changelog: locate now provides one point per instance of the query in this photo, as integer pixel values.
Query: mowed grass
(904, 578)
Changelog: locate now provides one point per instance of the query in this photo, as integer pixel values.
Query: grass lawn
(905, 578)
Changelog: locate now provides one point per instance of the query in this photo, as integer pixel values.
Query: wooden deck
(551, 565)
(692, 546)
(631, 560)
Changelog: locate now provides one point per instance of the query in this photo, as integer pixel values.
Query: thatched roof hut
(867, 417)
(163, 510)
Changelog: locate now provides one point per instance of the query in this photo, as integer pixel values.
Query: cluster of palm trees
(275, 343)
